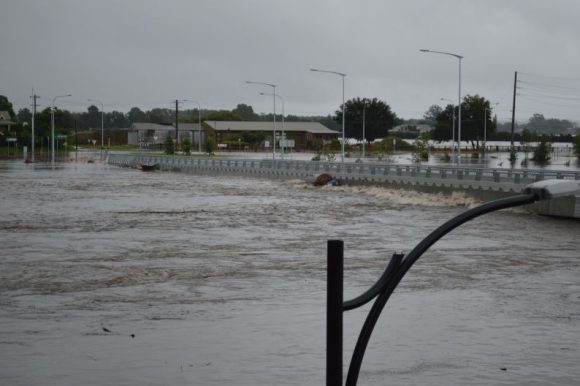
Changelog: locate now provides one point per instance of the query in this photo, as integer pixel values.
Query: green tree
(252, 138)
(116, 120)
(543, 150)
(42, 124)
(161, 116)
(475, 116)
(169, 145)
(245, 112)
(223, 115)
(378, 118)
(6, 105)
(209, 146)
(422, 147)
(475, 119)
(443, 130)
(431, 114)
(540, 124)
(186, 146)
(93, 118)
(136, 115)
(24, 115)
(577, 146)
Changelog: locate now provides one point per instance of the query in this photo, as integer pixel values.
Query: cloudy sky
(147, 53)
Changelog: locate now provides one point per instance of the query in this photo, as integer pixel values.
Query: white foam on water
(398, 196)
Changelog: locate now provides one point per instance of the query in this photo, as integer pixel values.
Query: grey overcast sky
(146, 53)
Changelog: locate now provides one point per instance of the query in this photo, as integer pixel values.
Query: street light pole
(485, 124)
(198, 120)
(342, 75)
(34, 98)
(52, 125)
(453, 124)
(274, 122)
(102, 122)
(459, 57)
(283, 139)
(364, 137)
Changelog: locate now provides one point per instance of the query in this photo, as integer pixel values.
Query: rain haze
(149, 53)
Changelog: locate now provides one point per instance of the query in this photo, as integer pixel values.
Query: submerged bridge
(482, 183)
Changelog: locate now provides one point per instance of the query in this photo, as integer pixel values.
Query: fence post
(335, 257)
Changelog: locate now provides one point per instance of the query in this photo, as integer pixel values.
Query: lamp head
(548, 189)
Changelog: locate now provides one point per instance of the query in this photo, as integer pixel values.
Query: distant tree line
(477, 120)
(539, 124)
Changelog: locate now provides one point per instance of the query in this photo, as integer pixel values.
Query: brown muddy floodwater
(112, 276)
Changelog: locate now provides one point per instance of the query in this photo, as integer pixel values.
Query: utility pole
(514, 111)
(176, 123)
(34, 98)
(76, 142)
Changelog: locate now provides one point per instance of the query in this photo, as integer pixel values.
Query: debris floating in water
(325, 179)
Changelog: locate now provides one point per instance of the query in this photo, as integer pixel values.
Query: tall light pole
(52, 125)
(342, 75)
(364, 137)
(274, 127)
(34, 98)
(102, 122)
(283, 139)
(453, 125)
(485, 124)
(198, 119)
(459, 57)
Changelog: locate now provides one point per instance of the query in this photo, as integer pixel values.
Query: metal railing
(351, 172)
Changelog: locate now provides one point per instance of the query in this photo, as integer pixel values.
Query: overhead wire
(558, 95)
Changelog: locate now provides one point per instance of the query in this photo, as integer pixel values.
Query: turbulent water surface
(113, 276)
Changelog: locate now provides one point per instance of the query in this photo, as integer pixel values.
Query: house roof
(150, 126)
(405, 127)
(188, 126)
(158, 127)
(309, 127)
(5, 118)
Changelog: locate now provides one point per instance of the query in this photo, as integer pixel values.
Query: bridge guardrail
(377, 172)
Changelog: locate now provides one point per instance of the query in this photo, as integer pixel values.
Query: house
(413, 129)
(302, 135)
(5, 120)
(146, 135)
(5, 124)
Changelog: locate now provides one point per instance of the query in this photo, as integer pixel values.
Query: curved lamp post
(274, 99)
(52, 125)
(396, 270)
(342, 75)
(459, 57)
(283, 139)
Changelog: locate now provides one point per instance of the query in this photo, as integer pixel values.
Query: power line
(550, 77)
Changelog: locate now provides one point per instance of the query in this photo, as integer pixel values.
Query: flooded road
(113, 276)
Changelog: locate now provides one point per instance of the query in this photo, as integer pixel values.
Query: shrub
(186, 146)
(169, 145)
(542, 151)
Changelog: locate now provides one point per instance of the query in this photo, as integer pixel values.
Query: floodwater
(562, 158)
(113, 276)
